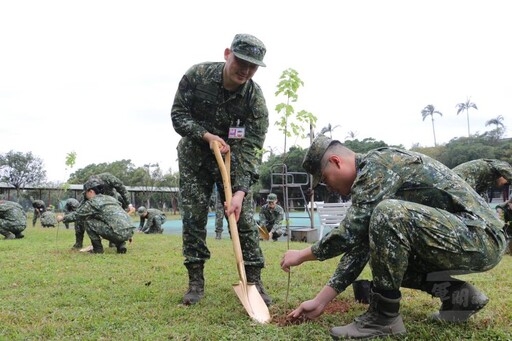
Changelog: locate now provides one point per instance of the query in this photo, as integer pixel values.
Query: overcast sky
(98, 77)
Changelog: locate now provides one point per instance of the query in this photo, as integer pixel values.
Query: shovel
(247, 293)
(263, 232)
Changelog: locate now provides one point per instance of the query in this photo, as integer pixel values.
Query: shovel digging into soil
(247, 293)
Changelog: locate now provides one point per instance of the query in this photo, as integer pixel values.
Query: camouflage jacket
(102, 208)
(202, 105)
(48, 218)
(153, 221)
(272, 218)
(482, 174)
(12, 214)
(389, 173)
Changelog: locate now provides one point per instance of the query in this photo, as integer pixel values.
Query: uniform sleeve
(263, 218)
(349, 268)
(182, 120)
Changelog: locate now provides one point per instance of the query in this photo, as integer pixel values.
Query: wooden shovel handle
(224, 166)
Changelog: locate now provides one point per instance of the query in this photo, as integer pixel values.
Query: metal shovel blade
(252, 302)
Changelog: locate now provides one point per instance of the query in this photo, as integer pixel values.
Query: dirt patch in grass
(338, 306)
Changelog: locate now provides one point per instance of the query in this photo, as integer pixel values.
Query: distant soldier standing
(13, 220)
(151, 220)
(39, 208)
(220, 103)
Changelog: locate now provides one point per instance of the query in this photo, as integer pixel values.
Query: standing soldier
(151, 220)
(220, 103)
(13, 220)
(39, 208)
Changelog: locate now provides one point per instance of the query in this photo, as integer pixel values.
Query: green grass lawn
(49, 292)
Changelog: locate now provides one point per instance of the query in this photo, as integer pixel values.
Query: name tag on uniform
(236, 133)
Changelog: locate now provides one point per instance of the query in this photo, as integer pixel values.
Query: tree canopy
(20, 169)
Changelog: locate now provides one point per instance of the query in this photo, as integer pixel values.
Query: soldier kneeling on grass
(102, 217)
(13, 220)
(151, 220)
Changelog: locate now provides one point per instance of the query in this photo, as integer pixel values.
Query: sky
(98, 78)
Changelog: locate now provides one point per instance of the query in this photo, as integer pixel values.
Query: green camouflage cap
(271, 197)
(141, 210)
(249, 48)
(93, 182)
(313, 160)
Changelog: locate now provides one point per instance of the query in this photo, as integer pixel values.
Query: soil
(333, 308)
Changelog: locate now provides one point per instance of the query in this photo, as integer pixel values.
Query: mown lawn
(48, 292)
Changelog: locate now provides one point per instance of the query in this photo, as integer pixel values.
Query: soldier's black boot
(253, 274)
(121, 247)
(97, 247)
(218, 235)
(459, 301)
(79, 239)
(381, 319)
(19, 235)
(195, 284)
(8, 235)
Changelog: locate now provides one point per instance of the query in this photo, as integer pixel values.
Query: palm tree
(500, 127)
(329, 129)
(466, 106)
(430, 110)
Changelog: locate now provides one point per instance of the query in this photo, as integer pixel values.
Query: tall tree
(329, 128)
(19, 169)
(430, 110)
(498, 132)
(465, 106)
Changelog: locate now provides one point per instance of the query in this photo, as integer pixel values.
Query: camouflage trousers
(409, 242)
(96, 229)
(6, 228)
(197, 177)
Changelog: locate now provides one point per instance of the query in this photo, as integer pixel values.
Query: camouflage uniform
(70, 206)
(39, 208)
(482, 174)
(102, 216)
(410, 216)
(115, 188)
(152, 223)
(272, 219)
(13, 220)
(202, 105)
(219, 215)
(506, 216)
(48, 219)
